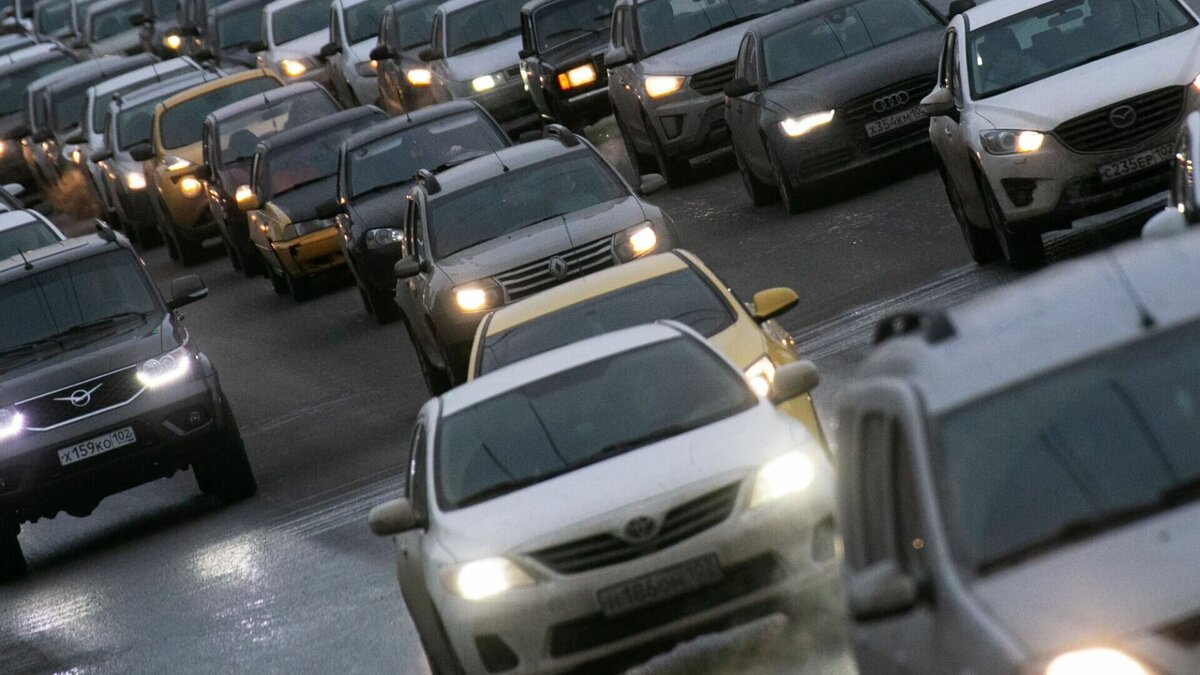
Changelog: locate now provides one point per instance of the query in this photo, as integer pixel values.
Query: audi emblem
(890, 102)
(557, 268)
(80, 398)
(640, 530)
(1122, 117)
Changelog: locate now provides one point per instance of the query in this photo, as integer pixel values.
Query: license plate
(895, 121)
(96, 446)
(1134, 163)
(661, 585)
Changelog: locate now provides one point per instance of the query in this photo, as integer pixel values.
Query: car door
(412, 294)
(948, 133)
(622, 80)
(389, 69)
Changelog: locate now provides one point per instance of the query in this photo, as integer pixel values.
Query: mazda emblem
(890, 102)
(1122, 117)
(80, 398)
(640, 529)
(557, 268)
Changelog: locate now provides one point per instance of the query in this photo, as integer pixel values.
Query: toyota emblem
(890, 102)
(640, 530)
(1122, 117)
(557, 268)
(80, 398)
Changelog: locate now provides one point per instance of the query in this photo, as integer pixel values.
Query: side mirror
(880, 591)
(794, 379)
(394, 517)
(406, 267)
(141, 152)
(958, 7)
(204, 54)
(256, 46)
(617, 56)
(14, 189)
(651, 183)
(186, 290)
(772, 302)
(329, 49)
(739, 86)
(137, 19)
(1166, 223)
(526, 52)
(100, 156)
(938, 103)
(429, 54)
(380, 53)
(203, 172)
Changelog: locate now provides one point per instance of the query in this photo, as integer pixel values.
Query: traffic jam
(600, 336)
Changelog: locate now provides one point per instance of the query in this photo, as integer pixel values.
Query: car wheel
(278, 283)
(1022, 250)
(170, 243)
(676, 171)
(366, 300)
(636, 159)
(436, 380)
(981, 242)
(760, 193)
(791, 196)
(235, 259)
(300, 288)
(190, 252)
(383, 306)
(12, 560)
(225, 472)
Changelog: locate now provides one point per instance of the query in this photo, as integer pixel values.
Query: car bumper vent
(1098, 131)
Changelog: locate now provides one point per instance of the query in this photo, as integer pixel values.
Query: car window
(482, 24)
(180, 125)
(583, 415)
(114, 21)
(134, 124)
(26, 237)
(566, 20)
(663, 24)
(298, 20)
(873, 489)
(13, 85)
(241, 133)
(54, 19)
(68, 106)
(314, 159)
(414, 26)
(684, 295)
(239, 28)
(362, 20)
(1061, 35)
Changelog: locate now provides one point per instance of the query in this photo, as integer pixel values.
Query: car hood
(306, 46)
(1045, 104)
(301, 204)
(382, 209)
(697, 55)
(583, 502)
(542, 240)
(1116, 587)
(485, 60)
(577, 51)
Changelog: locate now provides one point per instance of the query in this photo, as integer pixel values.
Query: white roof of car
(994, 10)
(11, 219)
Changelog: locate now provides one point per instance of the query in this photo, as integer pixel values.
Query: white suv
(1045, 112)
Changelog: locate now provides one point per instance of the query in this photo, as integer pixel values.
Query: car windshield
(483, 24)
(13, 85)
(298, 20)
(67, 111)
(566, 20)
(72, 302)
(183, 124)
(394, 159)
(165, 9)
(414, 26)
(663, 24)
(362, 20)
(27, 237)
(239, 28)
(54, 19)
(241, 133)
(1058, 36)
(519, 198)
(114, 21)
(683, 296)
(304, 163)
(841, 33)
(1089, 447)
(581, 416)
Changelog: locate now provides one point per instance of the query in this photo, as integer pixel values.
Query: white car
(604, 495)
(293, 32)
(1045, 112)
(25, 230)
(353, 31)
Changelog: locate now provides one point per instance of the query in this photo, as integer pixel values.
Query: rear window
(241, 134)
(183, 124)
(298, 20)
(67, 111)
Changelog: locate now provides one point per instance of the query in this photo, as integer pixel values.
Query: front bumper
(190, 217)
(588, 107)
(310, 254)
(840, 146)
(689, 124)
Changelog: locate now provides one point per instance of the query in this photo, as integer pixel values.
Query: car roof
(415, 118)
(56, 254)
(318, 127)
(1045, 321)
(18, 217)
(557, 360)
(265, 98)
(455, 5)
(23, 53)
(102, 5)
(106, 67)
(277, 5)
(84, 69)
(158, 89)
(218, 83)
(534, 5)
(469, 174)
(158, 71)
(235, 6)
(28, 57)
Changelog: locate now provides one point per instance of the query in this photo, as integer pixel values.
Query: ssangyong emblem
(557, 268)
(889, 102)
(640, 530)
(80, 398)
(1122, 116)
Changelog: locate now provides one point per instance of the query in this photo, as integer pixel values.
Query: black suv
(101, 389)
(562, 59)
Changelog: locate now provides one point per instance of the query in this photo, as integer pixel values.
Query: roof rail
(430, 181)
(563, 134)
(934, 325)
(958, 7)
(106, 233)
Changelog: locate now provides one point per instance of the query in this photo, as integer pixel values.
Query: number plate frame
(664, 584)
(98, 445)
(1136, 163)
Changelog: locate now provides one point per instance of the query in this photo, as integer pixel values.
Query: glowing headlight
(658, 86)
(483, 83)
(383, 236)
(419, 77)
(3, 148)
(636, 241)
(242, 193)
(164, 370)
(476, 296)
(190, 187)
(11, 422)
(785, 475)
(173, 42)
(760, 375)
(798, 126)
(1011, 141)
(577, 77)
(173, 163)
(76, 156)
(135, 180)
(1097, 661)
(484, 578)
(292, 67)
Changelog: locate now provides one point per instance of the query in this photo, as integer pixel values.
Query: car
(23, 231)
(376, 167)
(353, 33)
(232, 28)
(75, 38)
(175, 148)
(230, 136)
(473, 55)
(157, 22)
(668, 63)
(12, 43)
(10, 197)
(293, 34)
(52, 19)
(1031, 133)
(188, 35)
(404, 32)
(107, 28)
(18, 22)
(675, 286)
(15, 77)
(839, 87)
(291, 201)
(1032, 476)
(1183, 198)
(504, 226)
(38, 155)
(103, 389)
(562, 59)
(724, 510)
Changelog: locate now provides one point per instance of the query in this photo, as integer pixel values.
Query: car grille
(681, 522)
(857, 112)
(713, 80)
(529, 279)
(1094, 132)
(107, 391)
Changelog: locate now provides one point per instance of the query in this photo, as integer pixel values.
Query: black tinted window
(483, 24)
(298, 20)
(239, 28)
(24, 238)
(362, 20)
(182, 124)
(315, 159)
(54, 19)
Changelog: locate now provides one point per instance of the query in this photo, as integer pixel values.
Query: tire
(636, 159)
(278, 283)
(791, 196)
(760, 193)
(224, 471)
(12, 560)
(677, 171)
(235, 259)
(300, 289)
(437, 381)
(382, 305)
(190, 253)
(982, 244)
(1022, 250)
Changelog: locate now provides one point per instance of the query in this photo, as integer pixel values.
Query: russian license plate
(895, 121)
(1134, 163)
(96, 446)
(661, 585)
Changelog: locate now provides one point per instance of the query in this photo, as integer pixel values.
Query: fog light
(1019, 190)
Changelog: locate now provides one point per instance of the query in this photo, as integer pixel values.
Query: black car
(232, 27)
(52, 19)
(101, 388)
(375, 169)
(829, 86)
(230, 136)
(562, 59)
(158, 20)
(405, 30)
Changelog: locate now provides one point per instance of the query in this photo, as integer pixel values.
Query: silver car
(293, 33)
(107, 28)
(353, 29)
(1019, 490)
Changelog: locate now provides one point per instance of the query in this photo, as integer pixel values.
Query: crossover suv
(604, 496)
(1017, 476)
(1045, 112)
(158, 25)
(404, 32)
(102, 388)
(562, 59)
(353, 33)
(106, 28)
(850, 98)
(1183, 200)
(293, 33)
(15, 77)
(504, 226)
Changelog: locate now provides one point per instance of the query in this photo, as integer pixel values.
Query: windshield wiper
(301, 184)
(504, 488)
(457, 160)
(30, 347)
(103, 322)
(644, 439)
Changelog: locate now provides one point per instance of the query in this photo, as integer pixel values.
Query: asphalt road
(161, 579)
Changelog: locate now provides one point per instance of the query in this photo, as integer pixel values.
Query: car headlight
(658, 86)
(798, 126)
(783, 476)
(135, 180)
(478, 295)
(577, 77)
(293, 67)
(76, 155)
(636, 241)
(11, 422)
(383, 236)
(1011, 141)
(173, 163)
(484, 578)
(190, 187)
(242, 193)
(173, 42)
(366, 68)
(419, 77)
(483, 83)
(760, 375)
(166, 369)
(1096, 661)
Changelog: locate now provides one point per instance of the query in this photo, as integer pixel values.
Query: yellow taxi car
(675, 285)
(175, 151)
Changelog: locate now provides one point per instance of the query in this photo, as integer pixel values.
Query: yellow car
(175, 151)
(674, 285)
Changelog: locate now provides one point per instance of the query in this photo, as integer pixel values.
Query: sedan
(25, 230)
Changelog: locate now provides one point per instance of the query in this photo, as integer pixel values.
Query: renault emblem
(640, 530)
(80, 398)
(557, 268)
(1122, 117)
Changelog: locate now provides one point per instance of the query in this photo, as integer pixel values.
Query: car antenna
(497, 156)
(28, 265)
(1146, 319)
(106, 233)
